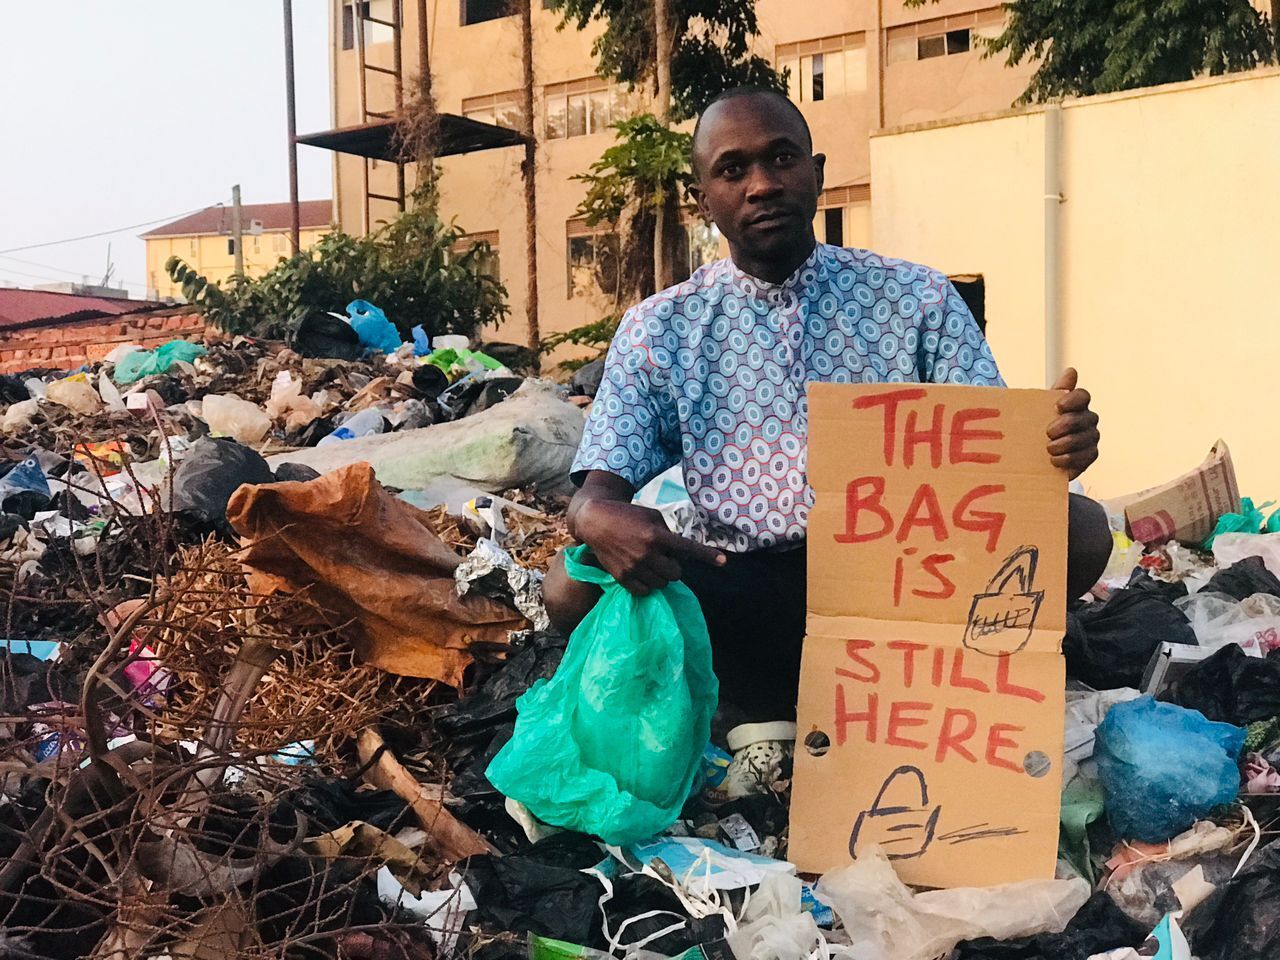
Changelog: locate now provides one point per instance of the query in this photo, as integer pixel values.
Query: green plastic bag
(611, 745)
(145, 363)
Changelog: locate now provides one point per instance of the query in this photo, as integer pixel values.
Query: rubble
(253, 687)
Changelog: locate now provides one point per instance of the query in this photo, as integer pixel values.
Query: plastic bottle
(363, 424)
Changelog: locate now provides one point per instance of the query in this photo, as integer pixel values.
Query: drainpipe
(1053, 199)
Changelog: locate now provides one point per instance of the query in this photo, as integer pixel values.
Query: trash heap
(270, 608)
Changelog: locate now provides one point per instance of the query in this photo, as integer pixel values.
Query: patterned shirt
(712, 373)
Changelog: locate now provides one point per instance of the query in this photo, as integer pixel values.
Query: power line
(80, 274)
(103, 233)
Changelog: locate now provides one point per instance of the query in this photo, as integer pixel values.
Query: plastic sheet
(1243, 579)
(612, 744)
(1241, 920)
(1099, 925)
(1164, 767)
(886, 921)
(1219, 620)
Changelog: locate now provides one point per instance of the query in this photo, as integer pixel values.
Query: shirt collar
(755, 287)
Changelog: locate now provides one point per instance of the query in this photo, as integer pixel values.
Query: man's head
(758, 179)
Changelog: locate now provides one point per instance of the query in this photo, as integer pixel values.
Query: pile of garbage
(279, 682)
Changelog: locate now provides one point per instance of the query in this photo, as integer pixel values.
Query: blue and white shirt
(712, 374)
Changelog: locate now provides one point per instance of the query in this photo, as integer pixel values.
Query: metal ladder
(361, 15)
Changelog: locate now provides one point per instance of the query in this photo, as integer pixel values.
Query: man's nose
(761, 183)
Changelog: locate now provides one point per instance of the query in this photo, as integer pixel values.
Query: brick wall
(68, 345)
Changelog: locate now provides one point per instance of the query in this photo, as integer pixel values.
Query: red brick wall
(68, 345)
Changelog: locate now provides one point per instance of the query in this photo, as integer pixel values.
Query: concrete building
(203, 240)
(1131, 235)
(856, 66)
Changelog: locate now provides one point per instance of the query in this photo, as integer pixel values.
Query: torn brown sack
(368, 557)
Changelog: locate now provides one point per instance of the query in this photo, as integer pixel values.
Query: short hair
(735, 93)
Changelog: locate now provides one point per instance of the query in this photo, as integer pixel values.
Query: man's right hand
(634, 546)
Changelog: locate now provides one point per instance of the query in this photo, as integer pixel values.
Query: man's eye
(732, 171)
(784, 157)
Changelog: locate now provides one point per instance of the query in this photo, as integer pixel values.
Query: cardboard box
(932, 684)
(1186, 509)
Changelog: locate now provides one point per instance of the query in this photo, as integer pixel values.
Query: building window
(502, 109)
(944, 36)
(277, 243)
(586, 106)
(825, 69)
(594, 260)
(373, 32)
(973, 291)
(479, 11)
(489, 263)
(837, 221)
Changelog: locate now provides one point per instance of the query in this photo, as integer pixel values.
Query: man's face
(758, 179)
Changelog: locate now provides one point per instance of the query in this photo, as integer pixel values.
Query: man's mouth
(772, 218)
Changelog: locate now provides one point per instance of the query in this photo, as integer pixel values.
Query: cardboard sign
(932, 685)
(1186, 509)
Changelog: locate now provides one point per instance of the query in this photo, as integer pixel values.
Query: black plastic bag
(1241, 919)
(295, 473)
(12, 389)
(494, 391)
(1108, 645)
(586, 379)
(324, 336)
(635, 894)
(1243, 579)
(536, 892)
(429, 381)
(494, 702)
(211, 472)
(1230, 686)
(1097, 927)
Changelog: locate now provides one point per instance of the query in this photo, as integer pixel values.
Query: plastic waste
(774, 926)
(1250, 519)
(1243, 579)
(1164, 767)
(287, 402)
(364, 424)
(25, 482)
(421, 342)
(20, 414)
(137, 364)
(1219, 620)
(612, 744)
(1231, 547)
(884, 919)
(377, 334)
(1241, 920)
(229, 416)
(1231, 687)
(208, 476)
(325, 335)
(1098, 925)
(1085, 710)
(703, 865)
(75, 393)
(450, 341)
(110, 394)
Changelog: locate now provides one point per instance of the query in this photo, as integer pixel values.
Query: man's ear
(819, 169)
(700, 198)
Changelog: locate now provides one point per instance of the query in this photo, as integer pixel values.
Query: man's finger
(1074, 442)
(1068, 380)
(684, 547)
(1075, 401)
(1072, 423)
(665, 567)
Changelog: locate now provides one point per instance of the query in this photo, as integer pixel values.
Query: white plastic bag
(75, 393)
(1230, 547)
(1217, 619)
(20, 414)
(886, 921)
(229, 416)
(288, 404)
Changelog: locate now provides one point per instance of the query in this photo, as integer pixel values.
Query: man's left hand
(1073, 434)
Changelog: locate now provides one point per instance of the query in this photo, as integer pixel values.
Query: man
(712, 373)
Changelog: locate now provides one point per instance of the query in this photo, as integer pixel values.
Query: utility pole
(237, 230)
(529, 173)
(291, 119)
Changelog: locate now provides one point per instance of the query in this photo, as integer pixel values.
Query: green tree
(1085, 47)
(411, 268)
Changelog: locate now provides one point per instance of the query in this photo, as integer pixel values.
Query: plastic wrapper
(612, 744)
(1243, 579)
(1228, 548)
(1241, 919)
(288, 404)
(886, 921)
(1098, 925)
(1219, 620)
(75, 393)
(1164, 767)
(1231, 687)
(229, 416)
(489, 567)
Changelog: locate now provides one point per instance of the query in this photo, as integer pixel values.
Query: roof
(377, 140)
(274, 216)
(22, 308)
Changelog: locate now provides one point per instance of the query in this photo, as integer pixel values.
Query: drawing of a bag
(900, 819)
(1001, 620)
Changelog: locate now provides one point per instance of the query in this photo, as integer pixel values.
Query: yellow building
(1131, 235)
(203, 240)
(856, 66)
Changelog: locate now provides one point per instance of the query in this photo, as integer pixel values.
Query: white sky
(116, 112)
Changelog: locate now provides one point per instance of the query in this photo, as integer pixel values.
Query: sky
(122, 112)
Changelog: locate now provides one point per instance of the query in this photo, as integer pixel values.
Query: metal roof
(377, 140)
(273, 216)
(23, 308)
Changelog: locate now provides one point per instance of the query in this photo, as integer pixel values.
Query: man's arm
(630, 542)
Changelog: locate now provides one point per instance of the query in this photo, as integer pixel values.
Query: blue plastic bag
(421, 342)
(26, 477)
(612, 744)
(371, 325)
(1164, 767)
